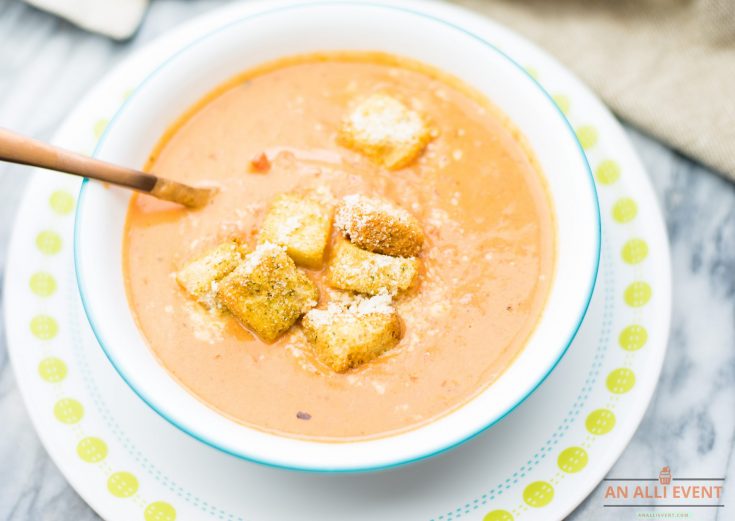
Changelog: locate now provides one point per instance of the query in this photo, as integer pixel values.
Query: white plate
(538, 463)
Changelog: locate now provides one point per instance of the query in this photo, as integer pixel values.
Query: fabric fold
(665, 66)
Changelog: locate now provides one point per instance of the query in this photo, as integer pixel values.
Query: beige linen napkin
(666, 66)
(117, 19)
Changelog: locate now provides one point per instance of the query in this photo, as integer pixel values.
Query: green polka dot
(99, 127)
(52, 369)
(572, 459)
(498, 515)
(587, 136)
(48, 242)
(44, 327)
(532, 72)
(161, 511)
(607, 172)
(92, 450)
(68, 410)
(600, 422)
(620, 381)
(634, 251)
(61, 202)
(637, 294)
(562, 102)
(632, 338)
(43, 284)
(625, 210)
(122, 484)
(538, 494)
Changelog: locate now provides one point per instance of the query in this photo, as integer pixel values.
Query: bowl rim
(197, 434)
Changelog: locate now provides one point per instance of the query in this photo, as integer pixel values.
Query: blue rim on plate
(152, 404)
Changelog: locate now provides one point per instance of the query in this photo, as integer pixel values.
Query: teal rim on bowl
(91, 298)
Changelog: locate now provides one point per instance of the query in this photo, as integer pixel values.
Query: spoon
(23, 150)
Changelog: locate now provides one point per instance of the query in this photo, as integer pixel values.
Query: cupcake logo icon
(664, 477)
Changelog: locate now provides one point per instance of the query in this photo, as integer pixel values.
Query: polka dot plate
(537, 464)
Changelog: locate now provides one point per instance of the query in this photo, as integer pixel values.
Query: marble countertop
(47, 64)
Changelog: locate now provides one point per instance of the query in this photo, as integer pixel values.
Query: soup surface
(487, 260)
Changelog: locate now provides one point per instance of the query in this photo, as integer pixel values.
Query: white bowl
(301, 28)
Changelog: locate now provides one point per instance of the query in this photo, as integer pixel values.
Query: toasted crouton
(200, 276)
(267, 293)
(385, 130)
(362, 271)
(344, 338)
(302, 225)
(378, 226)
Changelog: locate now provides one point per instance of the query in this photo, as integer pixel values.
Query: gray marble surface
(47, 64)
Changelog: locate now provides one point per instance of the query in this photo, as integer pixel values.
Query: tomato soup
(486, 263)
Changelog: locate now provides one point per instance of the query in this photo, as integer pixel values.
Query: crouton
(344, 338)
(385, 130)
(201, 275)
(362, 271)
(379, 226)
(302, 225)
(267, 293)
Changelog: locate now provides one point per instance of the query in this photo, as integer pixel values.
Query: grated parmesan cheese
(385, 130)
(254, 259)
(208, 326)
(378, 226)
(382, 118)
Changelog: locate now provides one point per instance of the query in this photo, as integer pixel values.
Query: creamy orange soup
(486, 263)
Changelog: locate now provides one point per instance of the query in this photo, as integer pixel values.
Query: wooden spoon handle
(26, 151)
